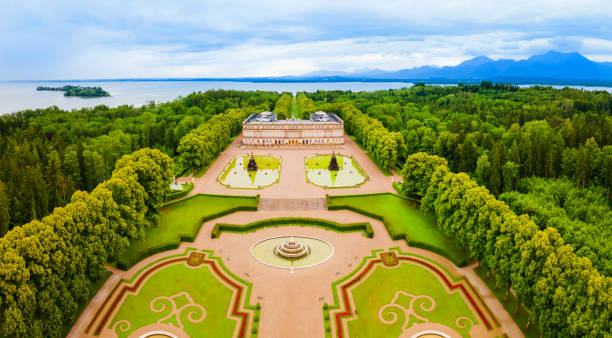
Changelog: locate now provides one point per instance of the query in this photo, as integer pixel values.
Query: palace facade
(263, 129)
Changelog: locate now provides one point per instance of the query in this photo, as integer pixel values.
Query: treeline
(48, 154)
(523, 132)
(371, 133)
(282, 108)
(202, 145)
(305, 106)
(565, 294)
(77, 91)
(581, 215)
(48, 268)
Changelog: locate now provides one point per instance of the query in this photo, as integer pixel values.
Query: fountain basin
(303, 253)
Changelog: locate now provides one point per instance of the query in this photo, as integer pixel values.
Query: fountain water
(292, 249)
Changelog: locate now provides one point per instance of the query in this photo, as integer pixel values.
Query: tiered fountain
(291, 249)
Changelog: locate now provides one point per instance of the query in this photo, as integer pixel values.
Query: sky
(59, 39)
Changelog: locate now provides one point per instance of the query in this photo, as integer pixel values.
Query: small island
(77, 91)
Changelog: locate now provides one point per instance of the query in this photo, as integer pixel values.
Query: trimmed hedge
(181, 193)
(365, 227)
(125, 263)
(459, 261)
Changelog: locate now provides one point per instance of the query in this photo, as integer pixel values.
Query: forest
(78, 187)
(521, 177)
(532, 196)
(48, 154)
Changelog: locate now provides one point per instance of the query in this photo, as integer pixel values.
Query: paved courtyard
(291, 301)
(292, 182)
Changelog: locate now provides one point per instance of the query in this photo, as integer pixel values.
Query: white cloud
(146, 38)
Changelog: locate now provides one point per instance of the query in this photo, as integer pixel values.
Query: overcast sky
(61, 39)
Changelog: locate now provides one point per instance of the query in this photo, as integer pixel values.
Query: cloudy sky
(62, 39)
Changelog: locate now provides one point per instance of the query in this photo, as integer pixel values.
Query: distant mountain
(549, 67)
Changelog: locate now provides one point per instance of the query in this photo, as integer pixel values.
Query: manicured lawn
(236, 175)
(295, 109)
(396, 294)
(349, 174)
(203, 301)
(292, 221)
(322, 161)
(370, 297)
(402, 219)
(183, 219)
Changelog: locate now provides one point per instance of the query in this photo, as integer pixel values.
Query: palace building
(263, 129)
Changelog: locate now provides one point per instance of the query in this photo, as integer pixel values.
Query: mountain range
(551, 67)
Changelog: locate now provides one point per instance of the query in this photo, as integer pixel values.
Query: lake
(16, 96)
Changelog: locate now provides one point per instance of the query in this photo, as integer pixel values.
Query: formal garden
(393, 294)
(334, 171)
(403, 221)
(188, 294)
(181, 221)
(251, 172)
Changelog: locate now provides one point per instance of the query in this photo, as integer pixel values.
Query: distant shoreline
(514, 81)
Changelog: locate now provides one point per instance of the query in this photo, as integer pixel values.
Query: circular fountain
(292, 252)
(292, 249)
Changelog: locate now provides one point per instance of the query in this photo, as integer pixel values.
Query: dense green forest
(48, 154)
(500, 135)
(57, 236)
(567, 296)
(77, 91)
(540, 152)
(521, 177)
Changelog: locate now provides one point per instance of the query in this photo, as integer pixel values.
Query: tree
(94, 168)
(5, 216)
(72, 168)
(148, 121)
(497, 160)
(483, 170)
(510, 172)
(417, 172)
(467, 156)
(154, 173)
(55, 181)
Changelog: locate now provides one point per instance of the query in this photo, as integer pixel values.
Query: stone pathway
(291, 302)
(288, 204)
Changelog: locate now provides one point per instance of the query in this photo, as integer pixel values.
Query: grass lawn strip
(181, 221)
(413, 275)
(264, 162)
(402, 221)
(365, 227)
(178, 280)
(321, 162)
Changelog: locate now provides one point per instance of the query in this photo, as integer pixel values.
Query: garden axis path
(291, 303)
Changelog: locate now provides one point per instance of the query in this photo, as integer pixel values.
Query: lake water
(16, 96)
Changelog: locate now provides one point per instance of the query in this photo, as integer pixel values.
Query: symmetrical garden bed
(393, 293)
(236, 173)
(349, 173)
(189, 294)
